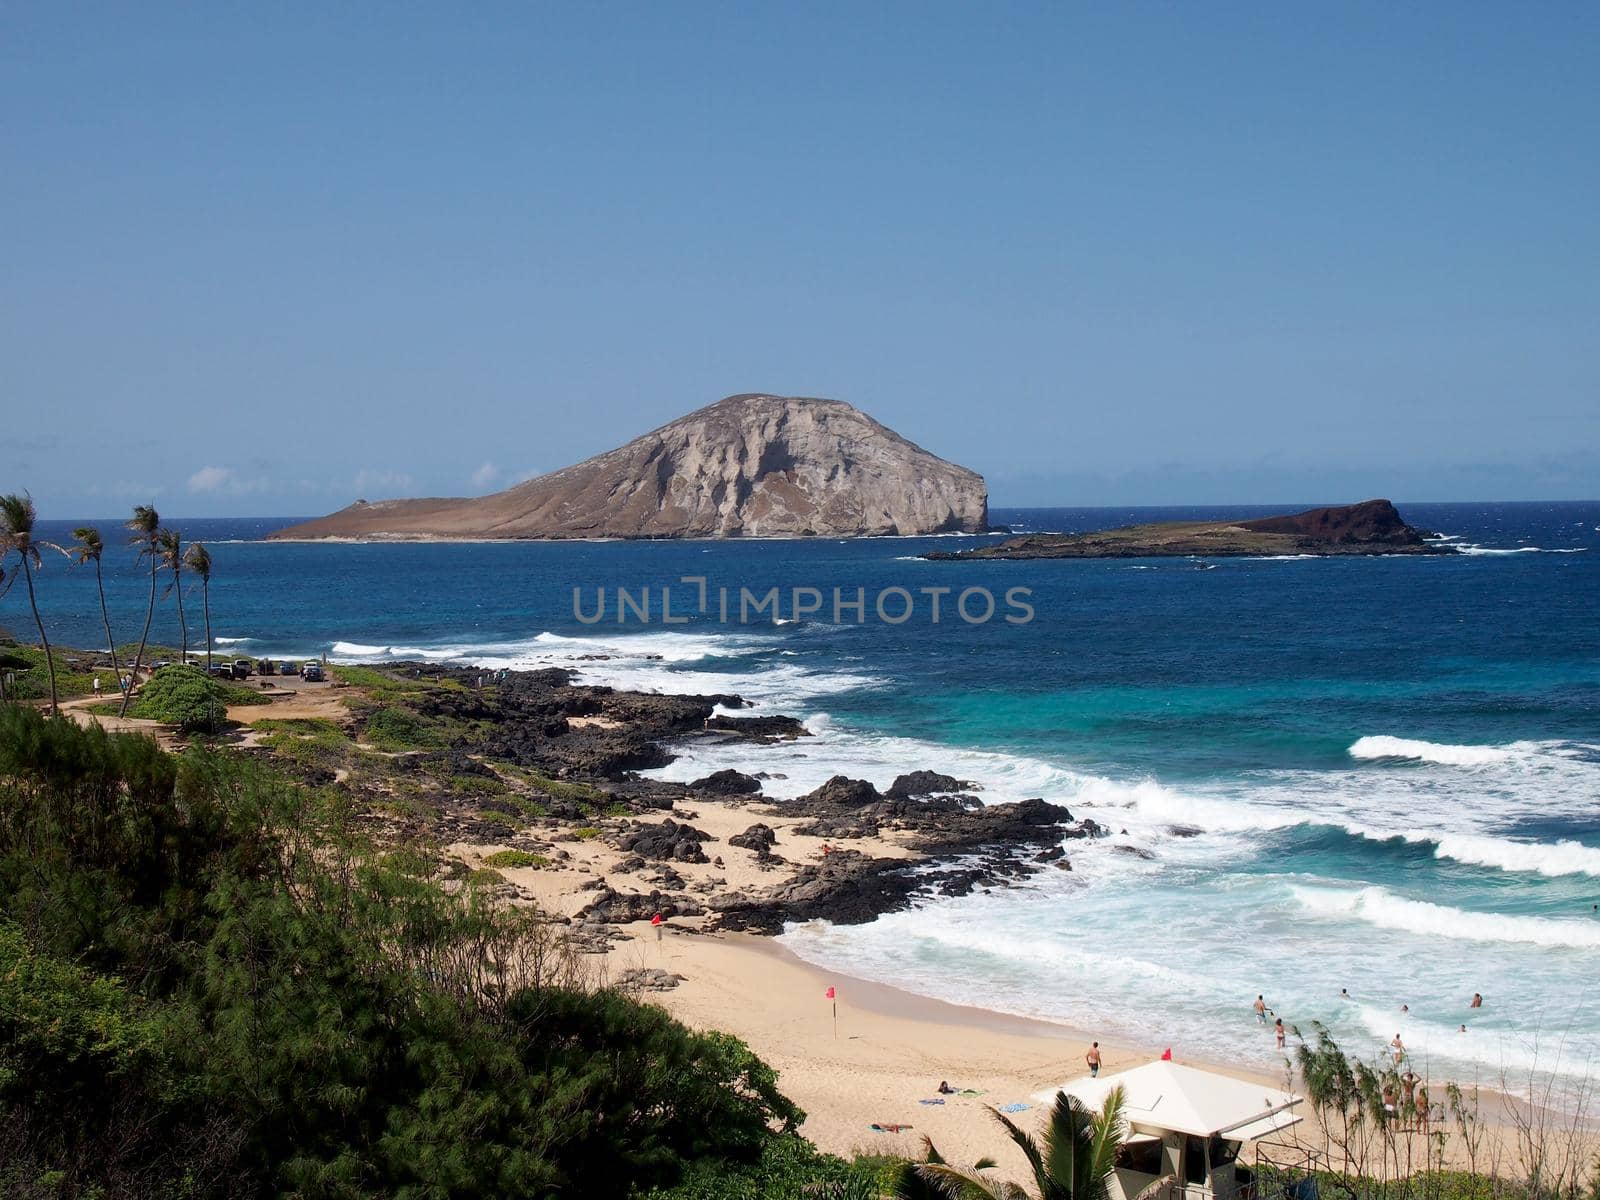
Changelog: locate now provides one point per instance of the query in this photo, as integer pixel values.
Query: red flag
(1166, 1055)
(829, 994)
(656, 920)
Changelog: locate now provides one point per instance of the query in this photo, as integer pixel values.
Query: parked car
(312, 672)
(159, 663)
(220, 671)
(242, 668)
(266, 667)
(288, 668)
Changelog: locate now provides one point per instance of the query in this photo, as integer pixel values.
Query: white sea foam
(1383, 908)
(1470, 549)
(1564, 857)
(1383, 746)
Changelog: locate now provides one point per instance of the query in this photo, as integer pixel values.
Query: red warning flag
(829, 994)
(656, 920)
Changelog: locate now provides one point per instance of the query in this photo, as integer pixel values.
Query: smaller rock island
(1371, 527)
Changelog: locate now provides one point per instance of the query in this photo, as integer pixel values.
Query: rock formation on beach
(1371, 527)
(746, 466)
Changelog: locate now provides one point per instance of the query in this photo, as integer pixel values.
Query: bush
(399, 729)
(789, 1168)
(515, 858)
(209, 987)
(189, 699)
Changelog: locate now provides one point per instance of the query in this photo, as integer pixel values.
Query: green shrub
(789, 1168)
(515, 858)
(189, 699)
(399, 729)
(211, 987)
(585, 833)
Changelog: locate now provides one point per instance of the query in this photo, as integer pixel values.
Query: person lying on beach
(945, 1089)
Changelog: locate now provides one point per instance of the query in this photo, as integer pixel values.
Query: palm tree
(17, 516)
(909, 1183)
(88, 548)
(199, 560)
(169, 547)
(144, 525)
(1074, 1162)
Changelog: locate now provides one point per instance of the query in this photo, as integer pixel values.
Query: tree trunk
(49, 659)
(149, 612)
(205, 600)
(105, 616)
(183, 626)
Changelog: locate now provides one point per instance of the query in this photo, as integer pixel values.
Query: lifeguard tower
(1186, 1123)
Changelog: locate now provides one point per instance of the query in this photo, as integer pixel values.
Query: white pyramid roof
(1169, 1095)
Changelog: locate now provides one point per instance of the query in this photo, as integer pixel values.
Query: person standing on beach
(1093, 1059)
(1260, 1007)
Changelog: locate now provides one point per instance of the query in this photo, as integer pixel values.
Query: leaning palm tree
(1075, 1161)
(169, 548)
(143, 526)
(88, 547)
(198, 560)
(17, 516)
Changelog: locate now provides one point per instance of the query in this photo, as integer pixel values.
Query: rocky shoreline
(631, 847)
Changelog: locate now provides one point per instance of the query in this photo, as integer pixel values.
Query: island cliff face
(1371, 527)
(747, 466)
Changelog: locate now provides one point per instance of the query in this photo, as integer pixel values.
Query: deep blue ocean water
(1380, 773)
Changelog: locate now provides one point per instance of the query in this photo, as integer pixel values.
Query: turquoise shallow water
(1379, 774)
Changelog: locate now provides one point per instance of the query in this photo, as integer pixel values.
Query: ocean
(1376, 774)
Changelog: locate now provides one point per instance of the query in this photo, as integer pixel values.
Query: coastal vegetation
(270, 969)
(211, 985)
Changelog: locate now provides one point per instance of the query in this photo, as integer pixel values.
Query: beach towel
(1014, 1108)
(877, 1128)
(969, 1092)
(930, 1101)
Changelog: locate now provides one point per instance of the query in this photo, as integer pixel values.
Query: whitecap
(1379, 906)
(1384, 746)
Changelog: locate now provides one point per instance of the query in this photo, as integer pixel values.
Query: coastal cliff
(746, 466)
(1371, 527)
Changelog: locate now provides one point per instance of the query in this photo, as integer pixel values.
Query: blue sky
(264, 262)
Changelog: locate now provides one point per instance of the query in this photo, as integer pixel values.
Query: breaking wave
(1381, 907)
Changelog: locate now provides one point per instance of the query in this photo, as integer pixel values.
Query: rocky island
(748, 466)
(1371, 527)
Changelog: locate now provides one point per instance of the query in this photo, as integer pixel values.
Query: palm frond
(1025, 1143)
(17, 516)
(198, 560)
(89, 544)
(958, 1184)
(143, 524)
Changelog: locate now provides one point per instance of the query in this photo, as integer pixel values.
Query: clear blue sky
(267, 259)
